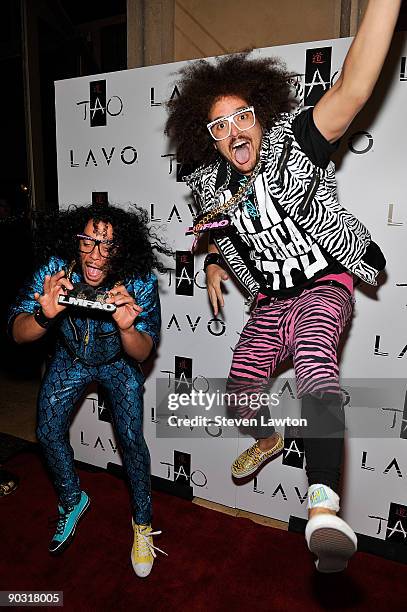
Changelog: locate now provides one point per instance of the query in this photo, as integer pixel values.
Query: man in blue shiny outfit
(108, 251)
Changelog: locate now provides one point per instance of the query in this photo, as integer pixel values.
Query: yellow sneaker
(143, 551)
(253, 458)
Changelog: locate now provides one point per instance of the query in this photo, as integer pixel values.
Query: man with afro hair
(266, 189)
(105, 254)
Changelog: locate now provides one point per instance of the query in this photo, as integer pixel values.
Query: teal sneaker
(66, 524)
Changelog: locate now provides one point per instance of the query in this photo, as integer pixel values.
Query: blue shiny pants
(63, 384)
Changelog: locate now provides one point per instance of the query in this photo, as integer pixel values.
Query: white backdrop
(130, 159)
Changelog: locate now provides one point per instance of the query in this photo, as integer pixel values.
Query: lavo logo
(382, 353)
(128, 156)
(97, 108)
(216, 327)
(280, 490)
(180, 471)
(98, 442)
(174, 214)
(153, 102)
(392, 467)
(360, 142)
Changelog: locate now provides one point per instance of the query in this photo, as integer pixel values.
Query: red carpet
(215, 562)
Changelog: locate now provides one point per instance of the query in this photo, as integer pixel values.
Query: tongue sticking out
(242, 154)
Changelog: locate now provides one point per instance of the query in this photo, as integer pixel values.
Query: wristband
(213, 258)
(41, 319)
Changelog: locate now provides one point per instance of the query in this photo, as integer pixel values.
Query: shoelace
(146, 545)
(251, 453)
(60, 521)
(254, 451)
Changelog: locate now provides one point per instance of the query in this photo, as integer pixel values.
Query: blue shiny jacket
(93, 337)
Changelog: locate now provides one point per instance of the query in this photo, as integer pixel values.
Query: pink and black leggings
(307, 328)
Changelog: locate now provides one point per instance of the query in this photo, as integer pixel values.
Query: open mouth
(93, 274)
(241, 151)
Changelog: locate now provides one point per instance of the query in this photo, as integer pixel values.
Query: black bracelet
(213, 258)
(41, 319)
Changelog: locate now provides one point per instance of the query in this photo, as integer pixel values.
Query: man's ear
(215, 145)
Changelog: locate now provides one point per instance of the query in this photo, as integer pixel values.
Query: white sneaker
(143, 550)
(332, 541)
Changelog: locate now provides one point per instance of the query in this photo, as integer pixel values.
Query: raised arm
(337, 108)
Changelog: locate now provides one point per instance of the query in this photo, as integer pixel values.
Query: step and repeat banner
(111, 146)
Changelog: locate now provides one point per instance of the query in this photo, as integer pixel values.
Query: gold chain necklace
(217, 210)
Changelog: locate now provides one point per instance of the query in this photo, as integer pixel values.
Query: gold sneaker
(252, 458)
(143, 551)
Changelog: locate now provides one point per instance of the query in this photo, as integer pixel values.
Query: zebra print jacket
(308, 195)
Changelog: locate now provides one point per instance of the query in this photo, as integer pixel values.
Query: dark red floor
(215, 562)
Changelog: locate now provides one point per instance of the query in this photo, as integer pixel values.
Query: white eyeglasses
(243, 119)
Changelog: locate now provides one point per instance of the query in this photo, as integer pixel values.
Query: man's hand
(25, 327)
(214, 276)
(54, 286)
(136, 344)
(127, 310)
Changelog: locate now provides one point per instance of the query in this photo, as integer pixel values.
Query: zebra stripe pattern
(307, 194)
(307, 328)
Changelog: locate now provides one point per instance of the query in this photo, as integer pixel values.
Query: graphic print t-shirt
(287, 256)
